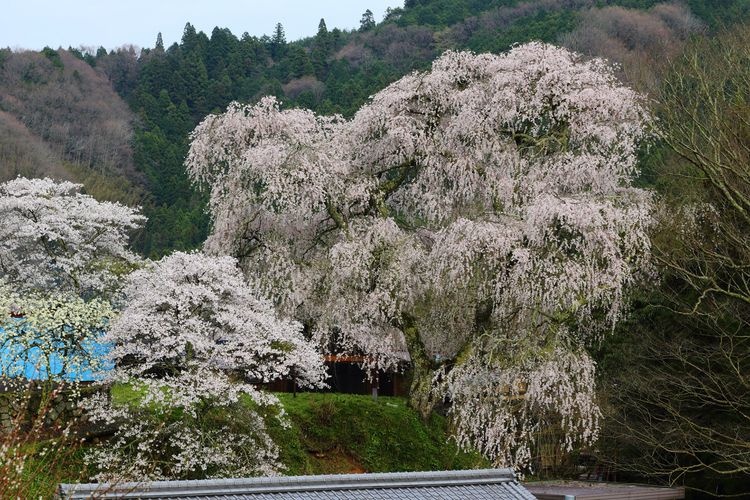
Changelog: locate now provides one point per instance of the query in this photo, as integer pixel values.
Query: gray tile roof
(495, 484)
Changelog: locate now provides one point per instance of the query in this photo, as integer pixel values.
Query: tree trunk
(421, 397)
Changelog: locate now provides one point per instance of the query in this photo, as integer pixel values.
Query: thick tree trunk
(421, 397)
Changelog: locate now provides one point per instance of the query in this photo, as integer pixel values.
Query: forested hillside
(61, 118)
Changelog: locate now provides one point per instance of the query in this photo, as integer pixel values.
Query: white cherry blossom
(55, 238)
(194, 336)
(480, 211)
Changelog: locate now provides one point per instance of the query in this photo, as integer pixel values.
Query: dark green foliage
(192, 83)
(545, 26)
(442, 13)
(76, 53)
(190, 39)
(176, 219)
(719, 13)
(321, 50)
(367, 22)
(53, 56)
(277, 45)
(297, 64)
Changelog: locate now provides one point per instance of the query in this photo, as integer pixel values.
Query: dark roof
(495, 484)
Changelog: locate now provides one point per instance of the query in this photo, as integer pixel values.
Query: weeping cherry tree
(478, 219)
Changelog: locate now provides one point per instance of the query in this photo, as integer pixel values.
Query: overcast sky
(33, 24)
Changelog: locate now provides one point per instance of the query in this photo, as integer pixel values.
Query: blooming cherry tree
(53, 237)
(61, 257)
(194, 337)
(477, 219)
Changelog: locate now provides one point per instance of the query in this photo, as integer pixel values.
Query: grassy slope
(346, 433)
(329, 434)
(338, 433)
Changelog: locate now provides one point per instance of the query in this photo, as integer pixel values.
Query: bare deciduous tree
(685, 401)
(641, 42)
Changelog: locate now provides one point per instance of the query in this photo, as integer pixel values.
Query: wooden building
(346, 376)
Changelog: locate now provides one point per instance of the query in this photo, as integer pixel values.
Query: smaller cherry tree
(62, 254)
(191, 342)
(54, 237)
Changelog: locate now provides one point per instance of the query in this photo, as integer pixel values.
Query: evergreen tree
(220, 92)
(321, 50)
(189, 38)
(299, 62)
(159, 43)
(193, 79)
(336, 38)
(252, 54)
(322, 29)
(367, 22)
(220, 47)
(156, 73)
(278, 42)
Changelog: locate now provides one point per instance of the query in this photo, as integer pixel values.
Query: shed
(485, 484)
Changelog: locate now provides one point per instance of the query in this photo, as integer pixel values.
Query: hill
(66, 112)
(61, 118)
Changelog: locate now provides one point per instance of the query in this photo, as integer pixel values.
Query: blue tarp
(18, 360)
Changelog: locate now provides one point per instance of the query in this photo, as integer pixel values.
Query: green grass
(341, 433)
(44, 470)
(125, 394)
(328, 434)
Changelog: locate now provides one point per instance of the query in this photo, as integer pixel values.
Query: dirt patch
(335, 461)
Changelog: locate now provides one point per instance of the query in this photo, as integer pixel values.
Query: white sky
(33, 24)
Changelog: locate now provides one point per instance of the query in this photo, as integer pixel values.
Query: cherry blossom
(477, 218)
(192, 337)
(53, 237)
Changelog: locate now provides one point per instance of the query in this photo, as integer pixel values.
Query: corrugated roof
(494, 484)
